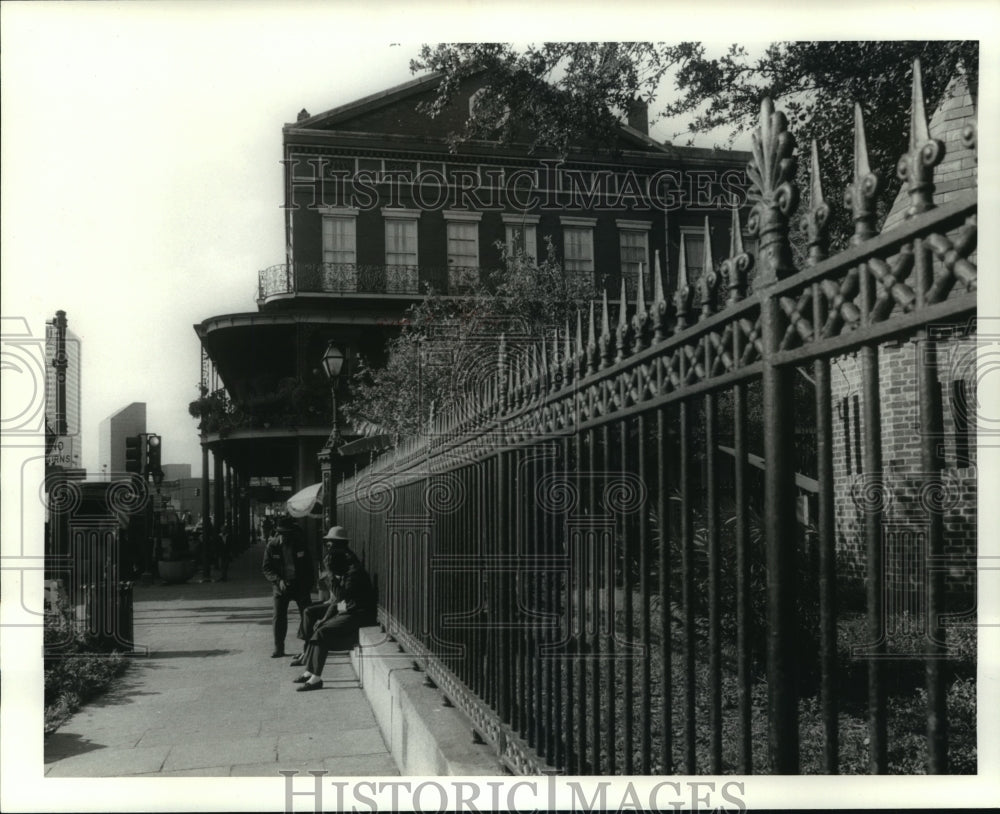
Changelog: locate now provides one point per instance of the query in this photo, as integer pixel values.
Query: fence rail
(579, 552)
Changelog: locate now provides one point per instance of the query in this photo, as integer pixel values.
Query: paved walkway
(208, 699)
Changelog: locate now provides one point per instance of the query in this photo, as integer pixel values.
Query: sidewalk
(208, 699)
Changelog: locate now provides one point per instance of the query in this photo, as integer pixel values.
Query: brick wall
(906, 498)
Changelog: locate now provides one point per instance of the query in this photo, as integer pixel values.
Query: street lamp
(333, 362)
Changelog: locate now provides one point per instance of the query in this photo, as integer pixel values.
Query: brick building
(379, 207)
(906, 508)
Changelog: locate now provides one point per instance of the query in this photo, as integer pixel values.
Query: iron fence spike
(919, 132)
(605, 317)
(861, 165)
(657, 280)
(682, 271)
(709, 261)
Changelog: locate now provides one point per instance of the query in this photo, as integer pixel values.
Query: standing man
(225, 551)
(207, 548)
(289, 568)
(352, 606)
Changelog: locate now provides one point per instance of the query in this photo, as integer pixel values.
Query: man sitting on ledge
(352, 606)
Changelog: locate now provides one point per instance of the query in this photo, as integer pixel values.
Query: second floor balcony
(345, 279)
(410, 282)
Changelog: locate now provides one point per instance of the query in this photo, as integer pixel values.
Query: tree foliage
(565, 93)
(447, 349)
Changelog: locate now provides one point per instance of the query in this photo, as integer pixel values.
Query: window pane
(633, 252)
(463, 244)
(694, 248)
(338, 240)
(400, 242)
(579, 249)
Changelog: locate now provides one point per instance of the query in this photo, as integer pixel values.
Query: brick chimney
(638, 116)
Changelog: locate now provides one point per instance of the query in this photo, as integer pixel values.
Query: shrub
(76, 670)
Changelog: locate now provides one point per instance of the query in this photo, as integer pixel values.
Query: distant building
(128, 421)
(62, 394)
(176, 471)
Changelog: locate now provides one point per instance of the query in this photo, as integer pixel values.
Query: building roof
(957, 172)
(382, 98)
(361, 112)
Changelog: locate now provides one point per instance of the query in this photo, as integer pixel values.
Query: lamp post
(156, 474)
(333, 362)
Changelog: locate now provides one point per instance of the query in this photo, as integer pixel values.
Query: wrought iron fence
(599, 554)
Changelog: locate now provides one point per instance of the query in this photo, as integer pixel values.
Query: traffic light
(134, 454)
(153, 448)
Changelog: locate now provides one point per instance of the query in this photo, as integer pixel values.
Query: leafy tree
(448, 347)
(567, 92)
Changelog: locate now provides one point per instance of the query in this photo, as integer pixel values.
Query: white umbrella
(307, 503)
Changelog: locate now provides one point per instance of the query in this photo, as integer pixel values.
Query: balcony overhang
(292, 318)
(255, 434)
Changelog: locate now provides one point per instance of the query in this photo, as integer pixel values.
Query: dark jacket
(287, 557)
(354, 588)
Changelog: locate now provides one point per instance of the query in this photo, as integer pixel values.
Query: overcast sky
(141, 175)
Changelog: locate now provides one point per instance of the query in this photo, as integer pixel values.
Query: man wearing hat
(289, 568)
(351, 607)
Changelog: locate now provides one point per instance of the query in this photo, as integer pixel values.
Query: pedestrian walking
(224, 551)
(208, 544)
(351, 607)
(289, 568)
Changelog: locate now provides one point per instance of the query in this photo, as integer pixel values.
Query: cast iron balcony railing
(356, 278)
(412, 281)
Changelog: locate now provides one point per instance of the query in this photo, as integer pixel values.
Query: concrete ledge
(424, 737)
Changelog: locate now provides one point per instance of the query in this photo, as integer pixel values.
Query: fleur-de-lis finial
(683, 295)
(605, 338)
(916, 167)
(736, 267)
(816, 220)
(640, 320)
(622, 332)
(774, 192)
(708, 280)
(861, 195)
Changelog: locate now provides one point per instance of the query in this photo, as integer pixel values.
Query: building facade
(379, 209)
(113, 430)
